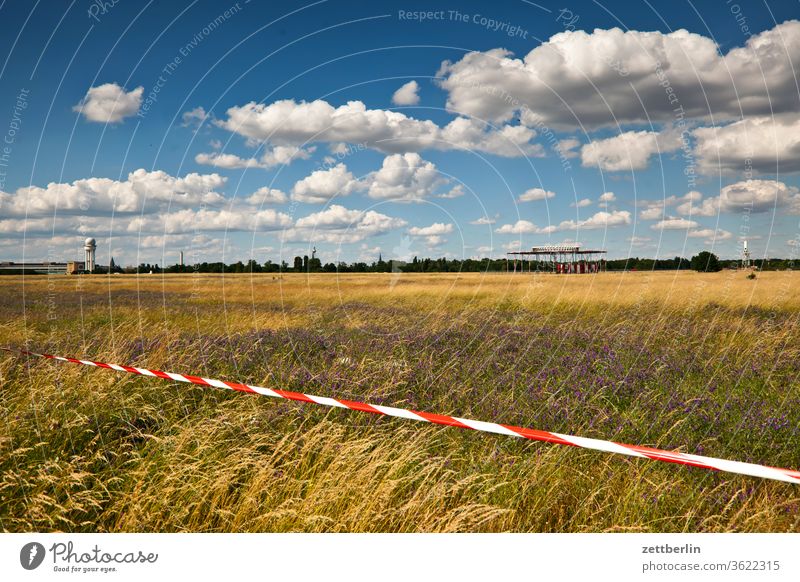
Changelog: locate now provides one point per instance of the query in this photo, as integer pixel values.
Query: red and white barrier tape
(712, 463)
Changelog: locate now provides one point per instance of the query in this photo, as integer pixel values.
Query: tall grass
(701, 363)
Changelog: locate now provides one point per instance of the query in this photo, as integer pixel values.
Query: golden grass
(92, 450)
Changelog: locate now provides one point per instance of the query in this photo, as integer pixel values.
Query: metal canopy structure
(560, 259)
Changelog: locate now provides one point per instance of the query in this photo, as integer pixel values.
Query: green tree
(706, 262)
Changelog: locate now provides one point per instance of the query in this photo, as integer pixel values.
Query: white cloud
(628, 151)
(324, 185)
(288, 122)
(605, 199)
(574, 78)
(456, 191)
(267, 195)
(756, 144)
(194, 117)
(109, 103)
(141, 192)
(483, 220)
(639, 241)
(600, 220)
(699, 207)
(535, 194)
(753, 196)
(189, 221)
(566, 147)
(759, 196)
(583, 203)
(279, 155)
(519, 227)
(404, 177)
(337, 224)
(653, 213)
(437, 228)
(226, 161)
(674, 223)
(472, 135)
(432, 234)
(284, 155)
(709, 234)
(435, 240)
(654, 209)
(407, 94)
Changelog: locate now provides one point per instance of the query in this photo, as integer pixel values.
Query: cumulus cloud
(629, 150)
(404, 177)
(267, 195)
(655, 209)
(433, 234)
(536, 194)
(483, 220)
(509, 141)
(519, 227)
(226, 161)
(437, 228)
(639, 241)
(709, 234)
(652, 213)
(674, 223)
(753, 196)
(289, 122)
(279, 155)
(758, 196)
(574, 78)
(109, 103)
(600, 220)
(323, 185)
(339, 225)
(699, 207)
(407, 94)
(456, 191)
(605, 199)
(189, 220)
(566, 147)
(141, 192)
(194, 117)
(755, 144)
(582, 203)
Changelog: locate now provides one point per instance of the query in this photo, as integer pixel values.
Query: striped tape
(712, 463)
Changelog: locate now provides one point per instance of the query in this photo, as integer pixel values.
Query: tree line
(703, 261)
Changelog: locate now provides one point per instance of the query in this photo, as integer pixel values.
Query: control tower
(89, 247)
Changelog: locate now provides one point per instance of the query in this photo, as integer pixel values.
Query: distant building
(561, 259)
(34, 268)
(88, 265)
(75, 267)
(89, 248)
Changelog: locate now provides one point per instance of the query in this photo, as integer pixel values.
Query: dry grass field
(704, 363)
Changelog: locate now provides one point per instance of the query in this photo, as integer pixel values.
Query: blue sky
(258, 129)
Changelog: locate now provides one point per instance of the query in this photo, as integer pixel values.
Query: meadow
(707, 363)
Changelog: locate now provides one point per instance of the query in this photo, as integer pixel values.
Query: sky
(238, 130)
